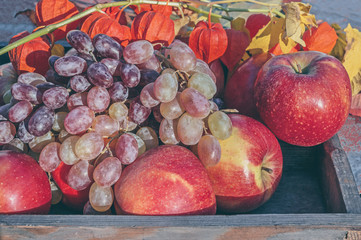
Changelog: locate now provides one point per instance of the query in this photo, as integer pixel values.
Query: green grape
(220, 125)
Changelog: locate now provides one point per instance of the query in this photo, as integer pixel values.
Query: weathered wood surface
(340, 189)
(180, 233)
(350, 139)
(248, 226)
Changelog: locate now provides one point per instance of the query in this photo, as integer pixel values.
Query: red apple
(167, 180)
(24, 186)
(238, 92)
(303, 97)
(250, 167)
(72, 198)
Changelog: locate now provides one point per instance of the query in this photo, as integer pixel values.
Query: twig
(251, 1)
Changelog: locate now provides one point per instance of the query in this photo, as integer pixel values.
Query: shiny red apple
(167, 180)
(250, 167)
(24, 186)
(238, 93)
(304, 98)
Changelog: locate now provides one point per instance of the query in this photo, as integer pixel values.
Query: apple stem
(269, 170)
(299, 68)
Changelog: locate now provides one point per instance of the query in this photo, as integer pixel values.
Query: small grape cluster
(101, 105)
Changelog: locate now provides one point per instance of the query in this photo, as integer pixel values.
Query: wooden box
(317, 198)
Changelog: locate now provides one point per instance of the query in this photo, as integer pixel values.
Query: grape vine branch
(181, 5)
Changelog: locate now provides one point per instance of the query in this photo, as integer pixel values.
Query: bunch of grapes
(101, 106)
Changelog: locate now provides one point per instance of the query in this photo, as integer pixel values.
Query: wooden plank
(350, 139)
(174, 233)
(339, 185)
(353, 235)
(244, 220)
(255, 226)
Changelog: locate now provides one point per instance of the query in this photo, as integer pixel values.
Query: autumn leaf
(322, 39)
(298, 19)
(255, 22)
(309, 20)
(240, 25)
(351, 60)
(338, 50)
(270, 36)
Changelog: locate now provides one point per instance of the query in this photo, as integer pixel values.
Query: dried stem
(251, 1)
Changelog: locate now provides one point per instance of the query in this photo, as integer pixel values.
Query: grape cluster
(100, 106)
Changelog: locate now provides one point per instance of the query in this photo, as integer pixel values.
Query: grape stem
(98, 8)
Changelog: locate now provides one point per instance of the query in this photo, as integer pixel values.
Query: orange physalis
(98, 23)
(154, 27)
(52, 11)
(31, 56)
(208, 41)
(164, 9)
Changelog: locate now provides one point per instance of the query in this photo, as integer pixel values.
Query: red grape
(107, 172)
(68, 66)
(79, 83)
(79, 120)
(99, 75)
(20, 111)
(126, 149)
(80, 41)
(55, 97)
(41, 121)
(49, 158)
(138, 52)
(107, 47)
(98, 99)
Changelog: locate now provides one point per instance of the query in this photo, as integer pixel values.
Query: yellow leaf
(293, 23)
(351, 60)
(269, 36)
(309, 20)
(239, 24)
(57, 50)
(286, 44)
